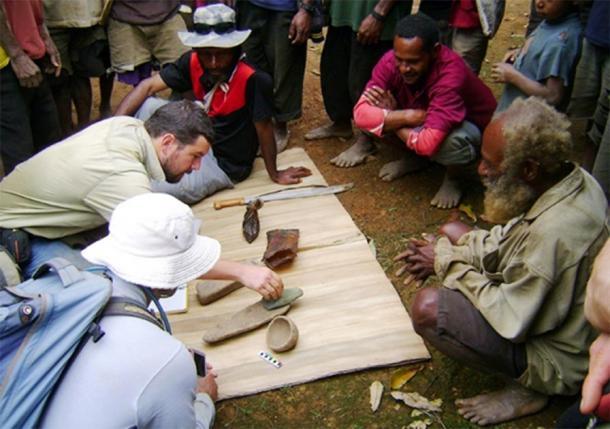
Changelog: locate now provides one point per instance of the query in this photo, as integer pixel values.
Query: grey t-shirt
(135, 376)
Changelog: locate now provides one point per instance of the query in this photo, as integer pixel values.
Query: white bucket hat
(214, 27)
(154, 242)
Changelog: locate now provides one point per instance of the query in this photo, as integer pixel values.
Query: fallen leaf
(419, 424)
(430, 238)
(415, 400)
(467, 210)
(400, 378)
(437, 402)
(376, 392)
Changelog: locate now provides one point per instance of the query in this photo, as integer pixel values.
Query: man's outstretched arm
(134, 100)
(260, 279)
(266, 139)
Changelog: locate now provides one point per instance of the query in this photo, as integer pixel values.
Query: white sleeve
(204, 411)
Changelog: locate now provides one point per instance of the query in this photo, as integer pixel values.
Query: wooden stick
(221, 204)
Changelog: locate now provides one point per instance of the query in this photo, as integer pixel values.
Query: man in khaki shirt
(73, 186)
(512, 300)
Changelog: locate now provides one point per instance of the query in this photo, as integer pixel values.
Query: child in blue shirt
(545, 65)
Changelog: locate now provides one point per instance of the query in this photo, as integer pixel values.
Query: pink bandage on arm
(425, 141)
(369, 118)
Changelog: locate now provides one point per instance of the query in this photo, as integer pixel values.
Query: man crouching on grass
(512, 298)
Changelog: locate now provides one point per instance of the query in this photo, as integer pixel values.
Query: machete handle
(221, 204)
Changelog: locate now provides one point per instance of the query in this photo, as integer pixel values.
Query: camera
(199, 358)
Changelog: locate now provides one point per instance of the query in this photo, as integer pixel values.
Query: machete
(285, 194)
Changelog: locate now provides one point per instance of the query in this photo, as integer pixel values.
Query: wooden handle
(229, 203)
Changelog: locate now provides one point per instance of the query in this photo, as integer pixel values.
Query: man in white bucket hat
(138, 375)
(237, 97)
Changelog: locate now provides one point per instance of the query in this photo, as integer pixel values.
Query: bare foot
(448, 195)
(281, 139)
(500, 406)
(408, 163)
(356, 154)
(334, 129)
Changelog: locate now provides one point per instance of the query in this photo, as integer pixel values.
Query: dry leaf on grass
(467, 210)
(400, 378)
(419, 424)
(415, 400)
(430, 238)
(438, 402)
(376, 392)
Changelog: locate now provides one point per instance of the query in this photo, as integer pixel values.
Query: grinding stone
(209, 291)
(245, 320)
(288, 296)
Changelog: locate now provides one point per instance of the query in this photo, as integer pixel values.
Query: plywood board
(349, 318)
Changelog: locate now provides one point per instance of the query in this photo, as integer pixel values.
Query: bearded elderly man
(512, 300)
(237, 97)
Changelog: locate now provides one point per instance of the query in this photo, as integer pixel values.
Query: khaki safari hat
(214, 27)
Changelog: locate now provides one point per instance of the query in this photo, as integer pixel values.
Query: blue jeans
(42, 250)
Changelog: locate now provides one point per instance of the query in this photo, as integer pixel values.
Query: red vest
(222, 103)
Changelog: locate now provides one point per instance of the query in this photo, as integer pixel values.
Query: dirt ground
(387, 213)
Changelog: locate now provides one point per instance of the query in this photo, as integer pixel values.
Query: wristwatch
(307, 7)
(379, 17)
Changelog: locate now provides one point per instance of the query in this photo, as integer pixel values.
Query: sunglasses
(221, 28)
